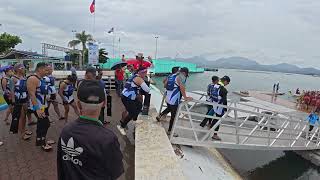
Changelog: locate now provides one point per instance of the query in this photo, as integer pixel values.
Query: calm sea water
(262, 165)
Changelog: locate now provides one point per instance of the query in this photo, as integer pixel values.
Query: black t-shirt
(223, 93)
(88, 151)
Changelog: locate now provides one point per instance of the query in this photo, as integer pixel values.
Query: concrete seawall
(155, 158)
(154, 155)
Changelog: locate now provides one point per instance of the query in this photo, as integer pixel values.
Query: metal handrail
(270, 132)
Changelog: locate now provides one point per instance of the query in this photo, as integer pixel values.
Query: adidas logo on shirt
(71, 152)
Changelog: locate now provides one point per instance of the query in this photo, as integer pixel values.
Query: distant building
(31, 59)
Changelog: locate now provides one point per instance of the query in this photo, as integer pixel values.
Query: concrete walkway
(22, 160)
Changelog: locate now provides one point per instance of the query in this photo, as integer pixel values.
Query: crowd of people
(309, 100)
(86, 149)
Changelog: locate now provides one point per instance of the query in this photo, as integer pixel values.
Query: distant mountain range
(248, 64)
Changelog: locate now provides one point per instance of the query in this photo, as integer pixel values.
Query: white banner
(93, 54)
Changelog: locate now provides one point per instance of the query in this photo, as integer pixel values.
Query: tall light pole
(155, 56)
(113, 44)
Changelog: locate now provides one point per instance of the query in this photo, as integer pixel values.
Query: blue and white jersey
(50, 80)
(173, 93)
(20, 88)
(209, 89)
(215, 97)
(41, 94)
(68, 92)
(131, 88)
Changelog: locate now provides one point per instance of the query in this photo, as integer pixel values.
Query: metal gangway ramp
(243, 126)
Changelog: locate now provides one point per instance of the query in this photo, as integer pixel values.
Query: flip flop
(49, 142)
(28, 132)
(46, 148)
(26, 137)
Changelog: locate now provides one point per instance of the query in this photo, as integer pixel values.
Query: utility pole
(155, 56)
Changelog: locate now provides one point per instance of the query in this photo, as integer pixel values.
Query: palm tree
(103, 55)
(81, 38)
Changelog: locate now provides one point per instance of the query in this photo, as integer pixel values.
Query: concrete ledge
(154, 155)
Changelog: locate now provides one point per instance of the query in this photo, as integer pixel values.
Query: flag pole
(113, 44)
(119, 49)
(94, 19)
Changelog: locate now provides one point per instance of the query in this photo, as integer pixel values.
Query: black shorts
(6, 98)
(53, 97)
(133, 107)
(66, 103)
(21, 101)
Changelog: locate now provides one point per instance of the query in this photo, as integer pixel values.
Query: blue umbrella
(3, 68)
(118, 65)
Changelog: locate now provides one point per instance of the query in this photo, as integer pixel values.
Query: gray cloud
(268, 31)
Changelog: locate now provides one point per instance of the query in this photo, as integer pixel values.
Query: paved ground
(22, 160)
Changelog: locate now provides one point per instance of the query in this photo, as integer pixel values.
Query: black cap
(185, 70)
(91, 70)
(91, 92)
(225, 78)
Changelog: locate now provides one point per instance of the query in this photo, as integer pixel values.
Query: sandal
(50, 142)
(26, 137)
(28, 132)
(46, 147)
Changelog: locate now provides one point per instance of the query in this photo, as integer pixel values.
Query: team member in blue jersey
(66, 89)
(219, 96)
(210, 98)
(175, 90)
(7, 86)
(132, 98)
(52, 92)
(174, 71)
(20, 101)
(38, 92)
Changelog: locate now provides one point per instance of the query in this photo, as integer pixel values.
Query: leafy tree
(81, 38)
(8, 41)
(103, 55)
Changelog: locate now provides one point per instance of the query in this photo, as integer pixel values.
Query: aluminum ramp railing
(243, 126)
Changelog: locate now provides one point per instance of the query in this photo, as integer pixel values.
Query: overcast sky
(268, 31)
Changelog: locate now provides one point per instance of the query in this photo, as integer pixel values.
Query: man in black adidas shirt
(86, 149)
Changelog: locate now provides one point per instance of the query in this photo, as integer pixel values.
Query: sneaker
(1, 143)
(216, 138)
(122, 130)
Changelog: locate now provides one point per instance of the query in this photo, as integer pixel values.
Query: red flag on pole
(92, 6)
